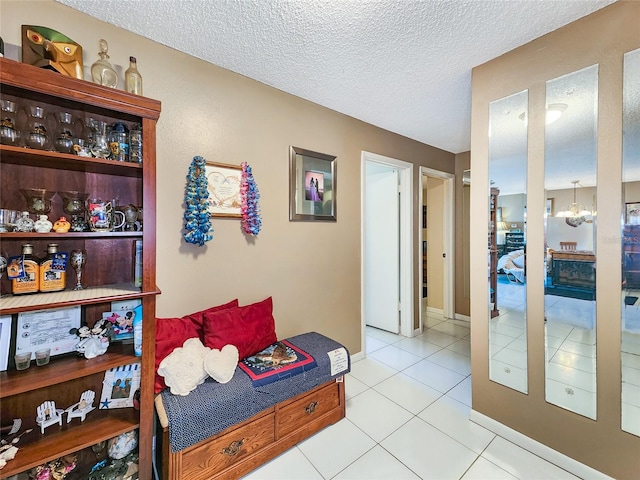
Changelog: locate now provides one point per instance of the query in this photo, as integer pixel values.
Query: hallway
(408, 406)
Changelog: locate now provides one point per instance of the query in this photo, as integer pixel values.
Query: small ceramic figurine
(43, 225)
(61, 225)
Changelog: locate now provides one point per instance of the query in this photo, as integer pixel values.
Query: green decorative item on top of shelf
(47, 48)
(197, 220)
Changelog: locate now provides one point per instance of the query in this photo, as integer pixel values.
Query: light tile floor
(408, 405)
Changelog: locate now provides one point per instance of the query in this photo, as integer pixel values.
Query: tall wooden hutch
(493, 252)
(108, 275)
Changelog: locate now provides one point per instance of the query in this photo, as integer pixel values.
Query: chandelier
(574, 210)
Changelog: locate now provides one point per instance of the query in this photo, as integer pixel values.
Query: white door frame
(447, 240)
(405, 175)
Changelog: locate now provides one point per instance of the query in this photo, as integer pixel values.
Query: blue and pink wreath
(198, 229)
(250, 209)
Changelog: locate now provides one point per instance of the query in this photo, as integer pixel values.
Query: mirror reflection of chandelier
(574, 210)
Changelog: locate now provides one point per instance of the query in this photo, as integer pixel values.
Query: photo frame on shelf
(312, 185)
(5, 341)
(224, 189)
(119, 386)
(632, 213)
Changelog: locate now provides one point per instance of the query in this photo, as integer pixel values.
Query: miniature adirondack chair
(48, 414)
(84, 406)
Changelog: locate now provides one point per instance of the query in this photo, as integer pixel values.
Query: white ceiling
(403, 65)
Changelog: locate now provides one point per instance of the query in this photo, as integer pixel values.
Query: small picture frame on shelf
(119, 386)
(122, 321)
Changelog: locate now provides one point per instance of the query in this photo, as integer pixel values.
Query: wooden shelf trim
(58, 441)
(62, 369)
(67, 298)
(47, 82)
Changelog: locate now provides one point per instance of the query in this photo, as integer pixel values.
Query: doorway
(436, 198)
(387, 248)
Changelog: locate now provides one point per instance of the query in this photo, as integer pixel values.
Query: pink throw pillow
(250, 328)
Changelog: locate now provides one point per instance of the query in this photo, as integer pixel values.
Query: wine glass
(77, 259)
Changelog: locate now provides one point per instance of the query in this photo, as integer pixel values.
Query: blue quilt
(213, 407)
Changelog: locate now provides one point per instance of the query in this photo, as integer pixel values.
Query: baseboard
(357, 356)
(464, 318)
(435, 311)
(549, 454)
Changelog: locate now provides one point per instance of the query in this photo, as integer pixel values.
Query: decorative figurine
(48, 48)
(84, 406)
(43, 225)
(61, 225)
(94, 341)
(48, 414)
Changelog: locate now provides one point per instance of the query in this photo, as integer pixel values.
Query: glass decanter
(24, 224)
(102, 71)
(99, 146)
(9, 133)
(64, 138)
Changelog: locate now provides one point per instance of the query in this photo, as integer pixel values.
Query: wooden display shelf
(66, 161)
(51, 235)
(36, 448)
(14, 382)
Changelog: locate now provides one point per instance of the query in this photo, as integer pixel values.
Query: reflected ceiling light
(574, 210)
(554, 112)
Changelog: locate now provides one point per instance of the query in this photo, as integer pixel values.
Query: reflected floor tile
(512, 357)
(452, 417)
(631, 394)
(508, 375)
(571, 376)
(446, 459)
(376, 464)
(570, 397)
(631, 419)
(573, 360)
(462, 347)
(291, 465)
(408, 392)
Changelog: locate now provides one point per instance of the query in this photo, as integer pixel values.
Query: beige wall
(311, 269)
(435, 242)
(462, 237)
(600, 38)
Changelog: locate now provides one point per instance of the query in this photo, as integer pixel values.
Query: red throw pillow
(250, 328)
(171, 333)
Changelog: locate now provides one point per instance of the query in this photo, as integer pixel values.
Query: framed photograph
(119, 386)
(632, 216)
(224, 189)
(5, 341)
(549, 209)
(312, 188)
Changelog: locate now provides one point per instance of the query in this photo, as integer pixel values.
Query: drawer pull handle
(311, 408)
(233, 448)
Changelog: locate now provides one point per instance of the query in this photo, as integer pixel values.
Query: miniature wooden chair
(48, 414)
(84, 406)
(568, 246)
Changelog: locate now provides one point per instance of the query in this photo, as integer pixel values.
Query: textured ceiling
(403, 65)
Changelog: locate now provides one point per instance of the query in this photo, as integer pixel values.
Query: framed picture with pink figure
(312, 190)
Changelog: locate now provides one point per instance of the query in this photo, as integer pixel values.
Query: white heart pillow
(221, 364)
(183, 369)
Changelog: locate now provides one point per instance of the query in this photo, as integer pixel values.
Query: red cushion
(171, 333)
(250, 328)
